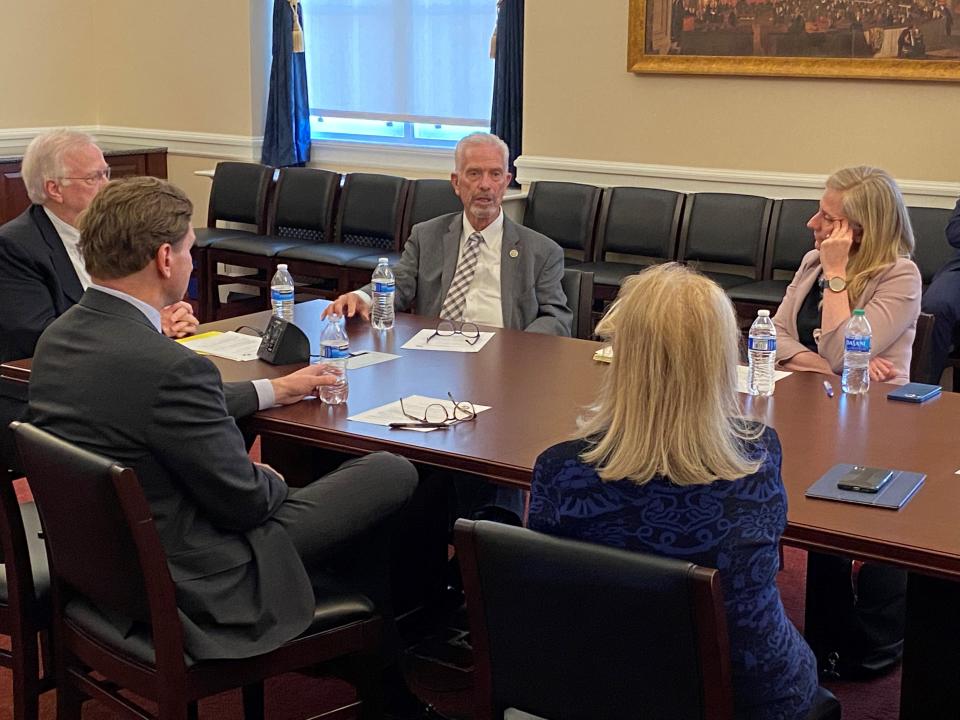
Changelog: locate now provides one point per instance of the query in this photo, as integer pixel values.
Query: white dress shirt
(265, 395)
(70, 237)
(483, 304)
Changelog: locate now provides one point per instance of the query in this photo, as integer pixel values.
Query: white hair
(43, 159)
(480, 138)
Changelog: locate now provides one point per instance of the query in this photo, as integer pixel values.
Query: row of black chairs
(750, 245)
(329, 229)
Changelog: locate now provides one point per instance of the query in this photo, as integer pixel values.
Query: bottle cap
(383, 261)
(763, 313)
(282, 266)
(859, 311)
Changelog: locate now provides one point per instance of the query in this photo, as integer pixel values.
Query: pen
(828, 388)
(358, 353)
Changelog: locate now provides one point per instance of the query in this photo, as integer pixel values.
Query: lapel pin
(514, 253)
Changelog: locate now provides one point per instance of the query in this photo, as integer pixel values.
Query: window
(399, 71)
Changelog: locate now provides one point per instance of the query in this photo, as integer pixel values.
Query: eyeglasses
(447, 328)
(93, 178)
(437, 415)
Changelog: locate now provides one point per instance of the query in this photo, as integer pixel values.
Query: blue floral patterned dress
(732, 526)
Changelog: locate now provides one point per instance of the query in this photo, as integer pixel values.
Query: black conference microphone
(283, 343)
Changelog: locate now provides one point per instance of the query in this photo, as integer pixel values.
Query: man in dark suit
(41, 271)
(244, 549)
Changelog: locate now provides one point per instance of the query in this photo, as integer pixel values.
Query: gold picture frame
(660, 43)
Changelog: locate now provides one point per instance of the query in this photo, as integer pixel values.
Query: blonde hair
(44, 159)
(668, 405)
(872, 200)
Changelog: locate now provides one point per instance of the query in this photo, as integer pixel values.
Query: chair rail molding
(532, 168)
(177, 142)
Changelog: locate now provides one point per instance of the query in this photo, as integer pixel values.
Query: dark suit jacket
(37, 281)
(530, 279)
(37, 284)
(105, 379)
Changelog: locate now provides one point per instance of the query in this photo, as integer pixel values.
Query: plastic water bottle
(856, 355)
(281, 294)
(334, 352)
(762, 355)
(384, 289)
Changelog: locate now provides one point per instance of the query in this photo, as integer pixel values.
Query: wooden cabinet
(123, 161)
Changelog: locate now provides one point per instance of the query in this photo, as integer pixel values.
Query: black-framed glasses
(438, 415)
(93, 177)
(448, 328)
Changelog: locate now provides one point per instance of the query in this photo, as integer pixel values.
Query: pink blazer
(891, 300)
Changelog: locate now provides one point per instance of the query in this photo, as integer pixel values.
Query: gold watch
(837, 283)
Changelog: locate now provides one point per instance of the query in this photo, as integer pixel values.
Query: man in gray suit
(481, 267)
(517, 278)
(244, 550)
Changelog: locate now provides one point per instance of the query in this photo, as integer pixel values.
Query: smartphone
(864, 479)
(914, 392)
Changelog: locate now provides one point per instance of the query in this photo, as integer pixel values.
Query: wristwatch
(837, 283)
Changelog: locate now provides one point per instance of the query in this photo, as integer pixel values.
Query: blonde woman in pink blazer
(861, 259)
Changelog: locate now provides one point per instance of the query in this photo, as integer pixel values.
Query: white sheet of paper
(415, 405)
(450, 343)
(371, 357)
(742, 385)
(229, 345)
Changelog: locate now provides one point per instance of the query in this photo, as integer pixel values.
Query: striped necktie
(456, 298)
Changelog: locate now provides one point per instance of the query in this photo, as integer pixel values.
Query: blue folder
(893, 495)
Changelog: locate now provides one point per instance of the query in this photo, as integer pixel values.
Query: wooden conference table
(536, 385)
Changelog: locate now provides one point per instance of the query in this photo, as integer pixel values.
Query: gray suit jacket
(530, 280)
(105, 379)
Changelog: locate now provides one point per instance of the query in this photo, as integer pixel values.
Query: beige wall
(182, 65)
(46, 55)
(580, 102)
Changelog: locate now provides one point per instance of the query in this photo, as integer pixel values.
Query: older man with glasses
(42, 273)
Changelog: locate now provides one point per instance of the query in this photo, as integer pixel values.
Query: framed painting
(880, 39)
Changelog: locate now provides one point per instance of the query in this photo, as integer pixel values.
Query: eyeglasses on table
(448, 328)
(437, 415)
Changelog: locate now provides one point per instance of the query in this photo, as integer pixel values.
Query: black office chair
(725, 229)
(239, 194)
(369, 215)
(24, 601)
(546, 638)
(566, 213)
(556, 625)
(788, 240)
(578, 287)
(426, 199)
(300, 213)
(638, 222)
(931, 250)
(108, 559)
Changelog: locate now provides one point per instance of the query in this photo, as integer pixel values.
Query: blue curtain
(286, 137)
(506, 118)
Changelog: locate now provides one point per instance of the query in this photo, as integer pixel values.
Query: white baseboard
(532, 168)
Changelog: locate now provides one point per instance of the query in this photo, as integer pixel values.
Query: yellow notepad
(190, 338)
